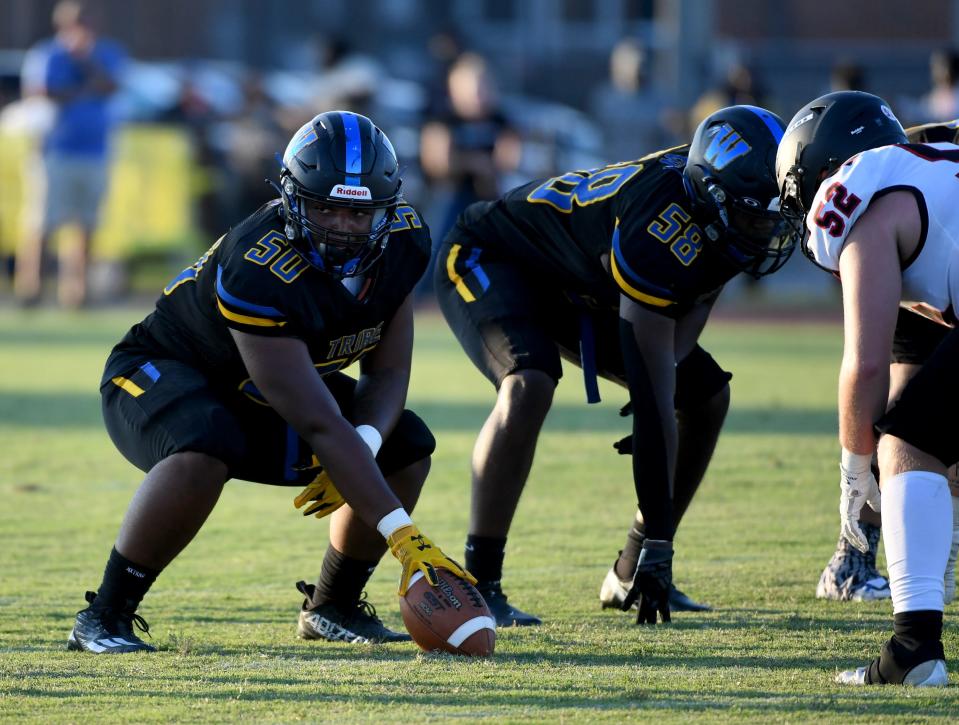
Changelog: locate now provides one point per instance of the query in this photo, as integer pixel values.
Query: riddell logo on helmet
(342, 191)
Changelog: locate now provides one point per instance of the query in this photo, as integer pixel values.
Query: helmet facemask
(339, 254)
(752, 237)
(792, 208)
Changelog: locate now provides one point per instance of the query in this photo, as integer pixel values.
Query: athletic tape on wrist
(371, 437)
(855, 462)
(394, 520)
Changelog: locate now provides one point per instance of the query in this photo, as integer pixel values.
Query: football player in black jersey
(615, 269)
(852, 574)
(236, 374)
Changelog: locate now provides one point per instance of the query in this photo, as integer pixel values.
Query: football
(450, 617)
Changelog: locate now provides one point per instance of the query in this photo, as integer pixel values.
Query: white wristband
(855, 462)
(393, 521)
(371, 437)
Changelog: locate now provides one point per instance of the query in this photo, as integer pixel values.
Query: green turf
(224, 613)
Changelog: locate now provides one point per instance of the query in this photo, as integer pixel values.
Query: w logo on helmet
(725, 146)
(305, 136)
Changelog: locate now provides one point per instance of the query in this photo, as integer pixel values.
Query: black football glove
(654, 577)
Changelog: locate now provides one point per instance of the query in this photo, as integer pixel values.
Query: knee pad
(410, 441)
(698, 379)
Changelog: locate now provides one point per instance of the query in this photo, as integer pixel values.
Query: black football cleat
(504, 614)
(356, 623)
(680, 602)
(104, 630)
(613, 593)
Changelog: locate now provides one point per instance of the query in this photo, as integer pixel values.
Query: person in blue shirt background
(80, 73)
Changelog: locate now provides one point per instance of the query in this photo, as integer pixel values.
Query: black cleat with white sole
(105, 630)
(613, 593)
(356, 623)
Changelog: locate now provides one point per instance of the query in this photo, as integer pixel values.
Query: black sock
(124, 584)
(917, 638)
(628, 558)
(484, 557)
(342, 579)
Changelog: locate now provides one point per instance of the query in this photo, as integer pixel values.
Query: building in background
(550, 58)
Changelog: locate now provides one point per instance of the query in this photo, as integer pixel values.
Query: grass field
(224, 613)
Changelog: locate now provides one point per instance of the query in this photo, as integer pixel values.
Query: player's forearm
(651, 375)
(380, 398)
(862, 399)
(353, 470)
(654, 462)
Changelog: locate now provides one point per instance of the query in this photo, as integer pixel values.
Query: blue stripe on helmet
(354, 149)
(769, 120)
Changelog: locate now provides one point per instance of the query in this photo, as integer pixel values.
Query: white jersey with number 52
(930, 172)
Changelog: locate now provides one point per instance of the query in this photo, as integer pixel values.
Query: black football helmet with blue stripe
(730, 175)
(340, 159)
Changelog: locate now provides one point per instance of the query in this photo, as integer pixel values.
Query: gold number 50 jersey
(251, 280)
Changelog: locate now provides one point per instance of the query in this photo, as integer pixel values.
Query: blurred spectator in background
(633, 116)
(256, 135)
(470, 143)
(443, 48)
(741, 86)
(194, 114)
(847, 75)
(79, 74)
(344, 78)
(941, 103)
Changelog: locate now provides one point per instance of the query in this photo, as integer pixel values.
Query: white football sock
(917, 533)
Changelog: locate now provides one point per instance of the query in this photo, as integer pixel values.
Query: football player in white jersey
(881, 214)
(851, 574)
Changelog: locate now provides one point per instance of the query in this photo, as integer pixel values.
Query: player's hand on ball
(654, 577)
(858, 487)
(417, 553)
(322, 496)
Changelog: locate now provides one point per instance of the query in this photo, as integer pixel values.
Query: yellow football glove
(321, 491)
(417, 553)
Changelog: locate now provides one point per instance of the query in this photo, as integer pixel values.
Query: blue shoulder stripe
(242, 304)
(634, 279)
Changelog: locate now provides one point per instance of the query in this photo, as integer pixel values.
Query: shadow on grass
(82, 410)
(503, 695)
(51, 410)
(81, 336)
(460, 416)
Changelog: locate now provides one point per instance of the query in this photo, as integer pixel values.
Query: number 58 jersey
(930, 278)
(626, 228)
